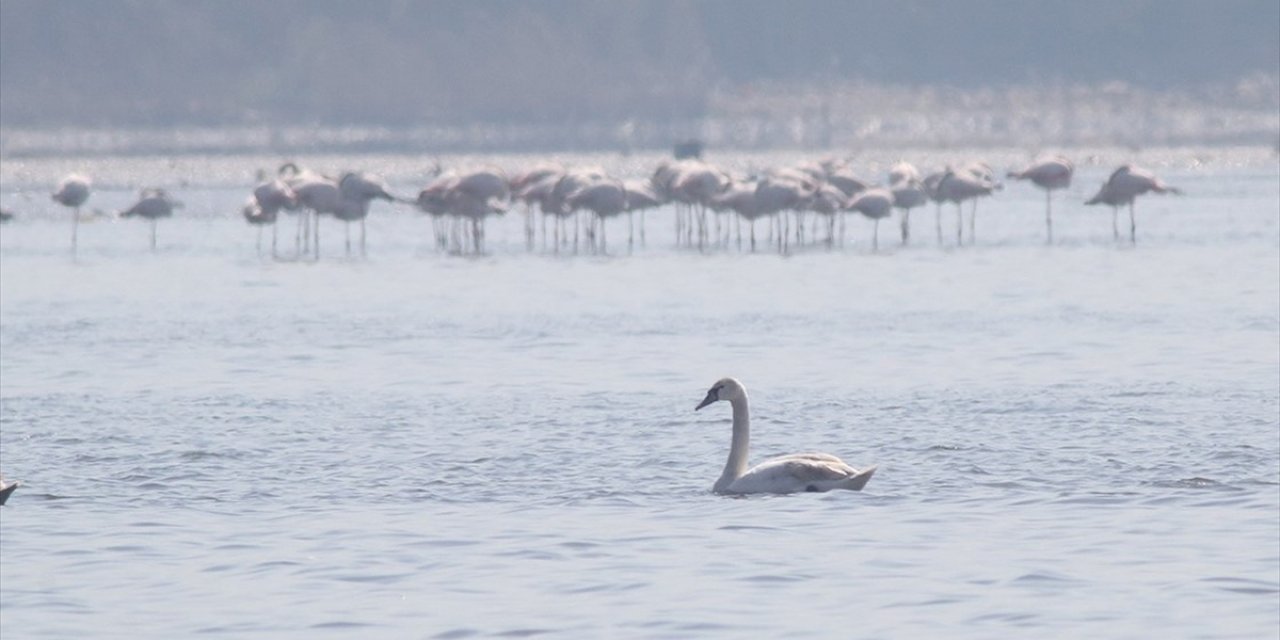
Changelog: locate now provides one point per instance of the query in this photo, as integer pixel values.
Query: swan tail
(858, 480)
(6, 489)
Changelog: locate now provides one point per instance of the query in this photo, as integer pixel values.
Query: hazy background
(587, 74)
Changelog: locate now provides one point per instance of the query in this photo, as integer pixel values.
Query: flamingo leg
(1133, 226)
(153, 234)
(906, 226)
(973, 221)
(75, 229)
(1048, 216)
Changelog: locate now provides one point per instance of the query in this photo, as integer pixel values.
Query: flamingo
(641, 196)
(697, 183)
(1123, 187)
(908, 193)
(605, 198)
(521, 187)
(740, 197)
(554, 202)
(255, 215)
(152, 205)
(299, 180)
(358, 190)
(1050, 173)
(828, 200)
(776, 194)
(970, 182)
(73, 191)
(476, 195)
(264, 206)
(433, 200)
(470, 196)
(5, 215)
(873, 203)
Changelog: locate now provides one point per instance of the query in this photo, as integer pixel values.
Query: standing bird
(1050, 173)
(358, 190)
(930, 184)
(641, 196)
(72, 192)
(605, 198)
(874, 203)
(152, 204)
(264, 206)
(908, 193)
(258, 217)
(1123, 187)
(307, 185)
(967, 183)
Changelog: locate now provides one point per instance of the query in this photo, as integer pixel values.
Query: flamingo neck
(738, 446)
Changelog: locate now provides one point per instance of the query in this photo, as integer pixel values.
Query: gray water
(1080, 440)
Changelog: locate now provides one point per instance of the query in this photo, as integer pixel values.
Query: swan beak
(711, 397)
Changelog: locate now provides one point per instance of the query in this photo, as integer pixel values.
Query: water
(1074, 441)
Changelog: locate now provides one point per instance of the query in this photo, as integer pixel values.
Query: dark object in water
(5, 215)
(6, 489)
(688, 149)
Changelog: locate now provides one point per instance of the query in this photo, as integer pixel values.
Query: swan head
(727, 389)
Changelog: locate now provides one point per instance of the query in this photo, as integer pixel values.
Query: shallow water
(1077, 440)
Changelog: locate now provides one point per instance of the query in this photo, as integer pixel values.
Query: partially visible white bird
(1049, 173)
(72, 192)
(6, 488)
(1123, 187)
(795, 473)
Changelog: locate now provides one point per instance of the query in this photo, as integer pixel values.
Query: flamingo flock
(568, 208)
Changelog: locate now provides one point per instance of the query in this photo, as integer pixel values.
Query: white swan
(785, 474)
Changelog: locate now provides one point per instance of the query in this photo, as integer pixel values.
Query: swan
(785, 474)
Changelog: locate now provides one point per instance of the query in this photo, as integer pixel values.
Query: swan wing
(797, 473)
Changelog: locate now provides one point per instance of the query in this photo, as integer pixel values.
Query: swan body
(794, 473)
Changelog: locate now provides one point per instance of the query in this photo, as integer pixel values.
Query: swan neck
(736, 465)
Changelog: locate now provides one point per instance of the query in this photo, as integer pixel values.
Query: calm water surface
(1074, 441)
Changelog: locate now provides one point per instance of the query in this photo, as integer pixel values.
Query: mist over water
(1076, 440)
